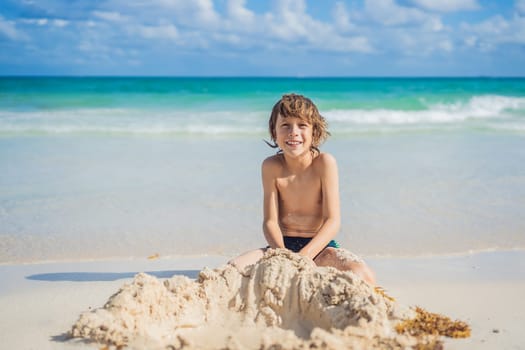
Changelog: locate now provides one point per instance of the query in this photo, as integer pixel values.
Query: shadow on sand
(67, 338)
(105, 276)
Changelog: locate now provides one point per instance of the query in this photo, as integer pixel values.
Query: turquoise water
(218, 106)
(104, 167)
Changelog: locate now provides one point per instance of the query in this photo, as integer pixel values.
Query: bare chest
(300, 194)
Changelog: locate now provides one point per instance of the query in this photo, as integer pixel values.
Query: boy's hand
(306, 257)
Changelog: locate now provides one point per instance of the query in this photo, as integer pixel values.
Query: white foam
(129, 121)
(477, 107)
(492, 112)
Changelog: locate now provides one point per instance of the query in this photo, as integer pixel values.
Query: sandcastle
(282, 302)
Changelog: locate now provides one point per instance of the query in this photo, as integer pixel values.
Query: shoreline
(40, 302)
(157, 257)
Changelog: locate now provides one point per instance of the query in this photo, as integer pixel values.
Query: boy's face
(293, 135)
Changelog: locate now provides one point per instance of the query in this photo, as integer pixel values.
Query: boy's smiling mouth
(293, 142)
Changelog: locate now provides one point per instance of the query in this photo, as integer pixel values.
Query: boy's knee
(346, 262)
(248, 258)
(327, 256)
(331, 251)
(367, 274)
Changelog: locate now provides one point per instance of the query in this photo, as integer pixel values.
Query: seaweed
(428, 323)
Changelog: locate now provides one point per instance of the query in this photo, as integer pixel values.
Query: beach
(98, 174)
(119, 167)
(41, 302)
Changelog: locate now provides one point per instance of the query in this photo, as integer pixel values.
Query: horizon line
(267, 76)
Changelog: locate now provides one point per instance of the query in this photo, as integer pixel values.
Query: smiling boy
(301, 190)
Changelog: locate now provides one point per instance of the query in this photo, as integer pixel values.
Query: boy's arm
(331, 207)
(271, 229)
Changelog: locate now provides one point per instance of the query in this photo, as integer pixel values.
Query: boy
(301, 191)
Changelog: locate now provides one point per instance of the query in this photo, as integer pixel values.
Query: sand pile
(284, 301)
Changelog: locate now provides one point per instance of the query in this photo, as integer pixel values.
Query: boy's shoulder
(325, 159)
(272, 166)
(273, 161)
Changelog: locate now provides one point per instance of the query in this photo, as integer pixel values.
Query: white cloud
(111, 16)
(197, 24)
(495, 31)
(416, 43)
(205, 11)
(165, 31)
(433, 24)
(239, 13)
(388, 13)
(290, 23)
(471, 41)
(290, 20)
(520, 7)
(349, 44)
(195, 13)
(45, 21)
(447, 5)
(415, 29)
(231, 39)
(8, 29)
(446, 45)
(342, 18)
(405, 31)
(39, 21)
(94, 48)
(91, 46)
(60, 23)
(495, 25)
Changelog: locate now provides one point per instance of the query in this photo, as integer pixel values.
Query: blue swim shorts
(295, 244)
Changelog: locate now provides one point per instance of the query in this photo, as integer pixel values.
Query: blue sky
(263, 38)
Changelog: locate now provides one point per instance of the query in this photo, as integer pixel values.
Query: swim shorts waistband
(295, 244)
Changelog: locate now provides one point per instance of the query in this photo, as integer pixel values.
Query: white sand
(41, 302)
(282, 296)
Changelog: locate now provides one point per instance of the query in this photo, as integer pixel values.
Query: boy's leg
(248, 258)
(343, 260)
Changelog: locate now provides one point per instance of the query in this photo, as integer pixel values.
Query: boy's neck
(297, 164)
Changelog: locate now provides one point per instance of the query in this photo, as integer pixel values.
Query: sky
(262, 38)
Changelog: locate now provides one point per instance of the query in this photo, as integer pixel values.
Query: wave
(122, 121)
(488, 112)
(154, 130)
(477, 107)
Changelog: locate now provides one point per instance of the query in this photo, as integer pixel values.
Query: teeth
(293, 142)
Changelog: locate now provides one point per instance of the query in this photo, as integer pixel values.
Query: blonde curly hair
(298, 106)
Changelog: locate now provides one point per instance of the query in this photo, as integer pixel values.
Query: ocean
(113, 167)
